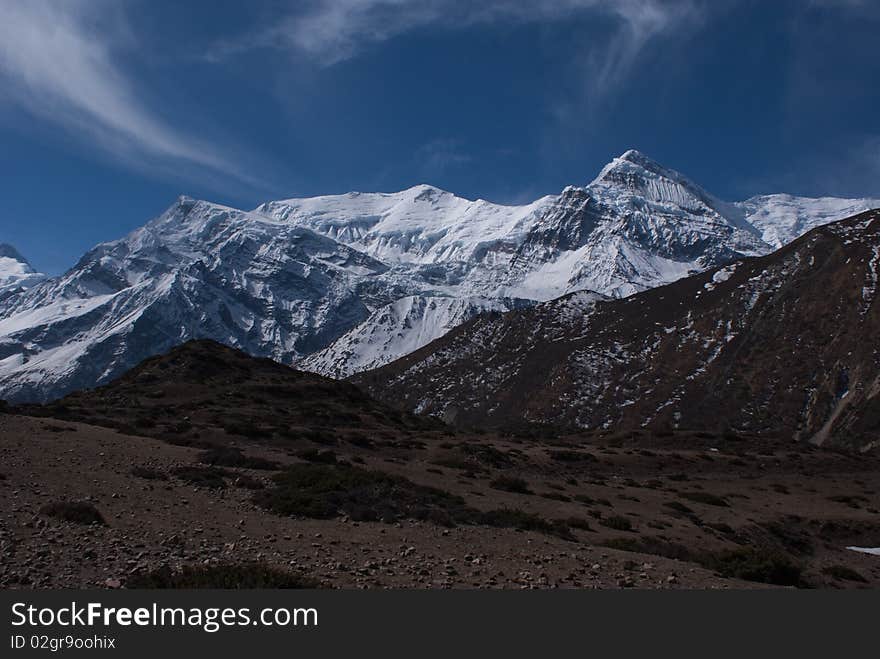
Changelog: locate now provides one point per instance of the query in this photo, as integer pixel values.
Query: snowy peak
(15, 272)
(355, 280)
(780, 346)
(634, 173)
(7, 251)
(199, 270)
(634, 160)
(781, 217)
(420, 225)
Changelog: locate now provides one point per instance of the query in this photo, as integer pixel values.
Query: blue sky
(111, 108)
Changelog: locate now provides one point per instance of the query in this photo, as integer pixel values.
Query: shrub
(843, 573)
(617, 522)
(753, 564)
(555, 496)
(149, 474)
(519, 519)
(247, 430)
(578, 523)
(361, 441)
(706, 498)
(325, 491)
(487, 455)
(678, 507)
(327, 457)
(651, 545)
(78, 512)
(209, 477)
(453, 462)
(247, 482)
(230, 577)
(511, 484)
(572, 456)
(853, 501)
(228, 456)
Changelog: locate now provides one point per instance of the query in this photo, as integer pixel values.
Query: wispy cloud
(437, 157)
(844, 4)
(330, 31)
(58, 61)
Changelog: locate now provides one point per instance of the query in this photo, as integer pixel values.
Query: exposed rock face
(344, 283)
(782, 344)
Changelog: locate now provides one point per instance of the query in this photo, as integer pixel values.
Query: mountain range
(777, 345)
(342, 284)
(16, 273)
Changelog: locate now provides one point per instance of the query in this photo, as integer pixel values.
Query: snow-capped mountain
(781, 218)
(15, 272)
(348, 282)
(398, 329)
(199, 270)
(780, 345)
(635, 226)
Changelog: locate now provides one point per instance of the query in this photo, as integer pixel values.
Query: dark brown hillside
(205, 393)
(319, 484)
(785, 345)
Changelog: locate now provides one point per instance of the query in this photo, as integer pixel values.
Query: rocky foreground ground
(631, 514)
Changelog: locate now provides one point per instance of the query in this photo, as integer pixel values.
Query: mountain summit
(343, 283)
(777, 345)
(15, 271)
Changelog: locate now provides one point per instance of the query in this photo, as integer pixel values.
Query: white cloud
(330, 31)
(57, 62)
(437, 157)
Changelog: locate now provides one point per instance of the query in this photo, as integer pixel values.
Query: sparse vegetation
(229, 456)
(853, 501)
(454, 462)
(754, 564)
(327, 457)
(651, 545)
(518, 519)
(249, 430)
(247, 482)
(678, 507)
(843, 573)
(578, 523)
(746, 563)
(511, 484)
(706, 498)
(78, 512)
(617, 522)
(149, 474)
(487, 455)
(229, 577)
(572, 456)
(326, 491)
(555, 496)
(208, 477)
